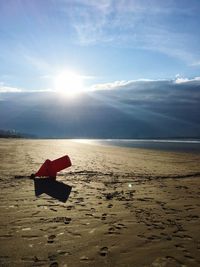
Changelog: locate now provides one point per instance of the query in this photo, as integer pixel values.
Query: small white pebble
(61, 234)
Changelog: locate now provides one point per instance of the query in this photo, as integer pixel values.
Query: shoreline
(174, 146)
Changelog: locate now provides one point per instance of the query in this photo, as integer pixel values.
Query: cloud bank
(123, 109)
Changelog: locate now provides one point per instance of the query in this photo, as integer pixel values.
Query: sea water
(158, 144)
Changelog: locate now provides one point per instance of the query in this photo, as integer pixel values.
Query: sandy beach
(128, 207)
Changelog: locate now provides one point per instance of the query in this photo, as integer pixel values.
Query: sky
(105, 41)
(134, 66)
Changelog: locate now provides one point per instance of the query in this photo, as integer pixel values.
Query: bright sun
(69, 83)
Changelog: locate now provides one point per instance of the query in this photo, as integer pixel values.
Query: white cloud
(91, 24)
(149, 82)
(109, 86)
(139, 24)
(121, 84)
(9, 89)
(196, 63)
(179, 79)
(38, 63)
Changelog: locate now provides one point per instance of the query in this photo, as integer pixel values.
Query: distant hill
(9, 134)
(14, 134)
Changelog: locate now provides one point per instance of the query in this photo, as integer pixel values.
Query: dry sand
(128, 207)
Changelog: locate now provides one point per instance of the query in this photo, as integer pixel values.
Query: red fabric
(50, 168)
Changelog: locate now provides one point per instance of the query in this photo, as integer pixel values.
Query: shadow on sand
(49, 186)
(53, 188)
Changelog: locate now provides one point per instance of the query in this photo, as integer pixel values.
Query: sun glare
(68, 83)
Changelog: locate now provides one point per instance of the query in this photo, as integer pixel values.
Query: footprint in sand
(113, 230)
(189, 257)
(103, 217)
(53, 209)
(3, 260)
(34, 259)
(185, 237)
(180, 246)
(70, 207)
(6, 236)
(103, 251)
(53, 264)
(166, 261)
(51, 239)
(52, 257)
(65, 220)
(35, 213)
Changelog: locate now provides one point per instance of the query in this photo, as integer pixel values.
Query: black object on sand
(53, 188)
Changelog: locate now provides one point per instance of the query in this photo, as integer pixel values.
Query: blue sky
(106, 41)
(139, 60)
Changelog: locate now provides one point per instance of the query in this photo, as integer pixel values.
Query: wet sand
(128, 207)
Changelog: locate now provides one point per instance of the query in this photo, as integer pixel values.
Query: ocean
(190, 146)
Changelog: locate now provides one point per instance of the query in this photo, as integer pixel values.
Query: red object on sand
(50, 168)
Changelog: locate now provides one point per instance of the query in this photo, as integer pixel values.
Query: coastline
(151, 217)
(171, 145)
